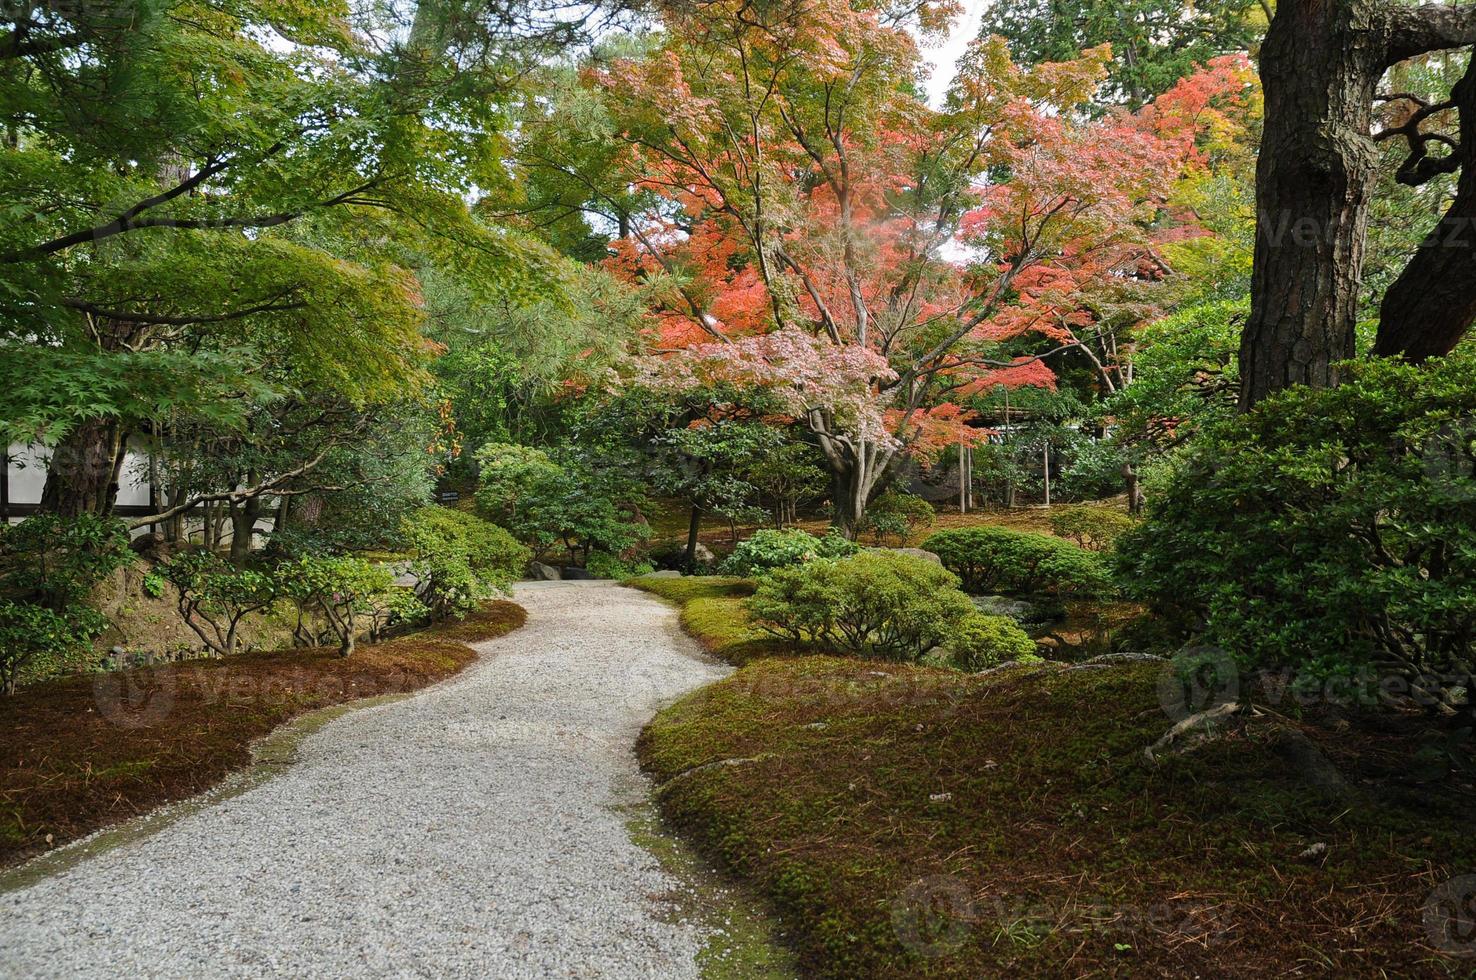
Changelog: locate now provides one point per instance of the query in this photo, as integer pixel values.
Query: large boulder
(540, 572)
(703, 554)
(573, 573)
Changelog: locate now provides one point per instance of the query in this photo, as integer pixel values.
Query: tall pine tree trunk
(82, 477)
(1320, 67)
(1313, 182)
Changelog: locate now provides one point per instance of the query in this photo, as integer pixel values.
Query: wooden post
(1047, 457)
(1009, 462)
(963, 496)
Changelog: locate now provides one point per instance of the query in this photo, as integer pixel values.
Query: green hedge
(995, 559)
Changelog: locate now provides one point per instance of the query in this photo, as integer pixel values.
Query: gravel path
(472, 830)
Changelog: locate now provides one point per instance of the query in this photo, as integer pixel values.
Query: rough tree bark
(1432, 304)
(1320, 66)
(82, 476)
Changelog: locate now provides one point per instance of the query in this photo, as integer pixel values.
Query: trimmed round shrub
(1330, 532)
(897, 514)
(878, 604)
(992, 559)
(768, 549)
(981, 642)
(1092, 528)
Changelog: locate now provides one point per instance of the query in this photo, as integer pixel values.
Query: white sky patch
(943, 57)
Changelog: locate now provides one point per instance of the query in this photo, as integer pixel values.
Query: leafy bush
(601, 564)
(392, 608)
(1092, 528)
(1093, 468)
(460, 559)
(338, 588)
(996, 559)
(57, 561)
(882, 604)
(49, 566)
(1330, 531)
(35, 640)
(896, 514)
(215, 596)
(546, 505)
(980, 642)
(767, 550)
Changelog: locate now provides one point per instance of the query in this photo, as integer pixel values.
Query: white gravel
(473, 830)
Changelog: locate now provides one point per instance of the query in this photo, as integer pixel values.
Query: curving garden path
(472, 830)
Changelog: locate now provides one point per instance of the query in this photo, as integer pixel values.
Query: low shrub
(49, 566)
(215, 596)
(882, 604)
(339, 589)
(460, 560)
(995, 559)
(1092, 528)
(35, 641)
(896, 514)
(768, 549)
(602, 564)
(980, 642)
(392, 609)
(1331, 532)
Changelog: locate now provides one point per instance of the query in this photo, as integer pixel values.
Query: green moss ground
(713, 613)
(911, 822)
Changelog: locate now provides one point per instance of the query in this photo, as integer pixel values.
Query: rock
(703, 554)
(154, 546)
(543, 573)
(1020, 610)
(914, 552)
(668, 573)
(1313, 853)
(572, 573)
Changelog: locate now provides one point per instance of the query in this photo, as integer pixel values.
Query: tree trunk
(243, 524)
(1432, 304)
(82, 477)
(694, 526)
(1320, 64)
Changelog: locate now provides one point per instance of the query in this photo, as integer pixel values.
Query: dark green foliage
(996, 559)
(882, 604)
(49, 566)
(1092, 528)
(569, 503)
(767, 550)
(1156, 42)
(980, 642)
(55, 561)
(1332, 531)
(460, 559)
